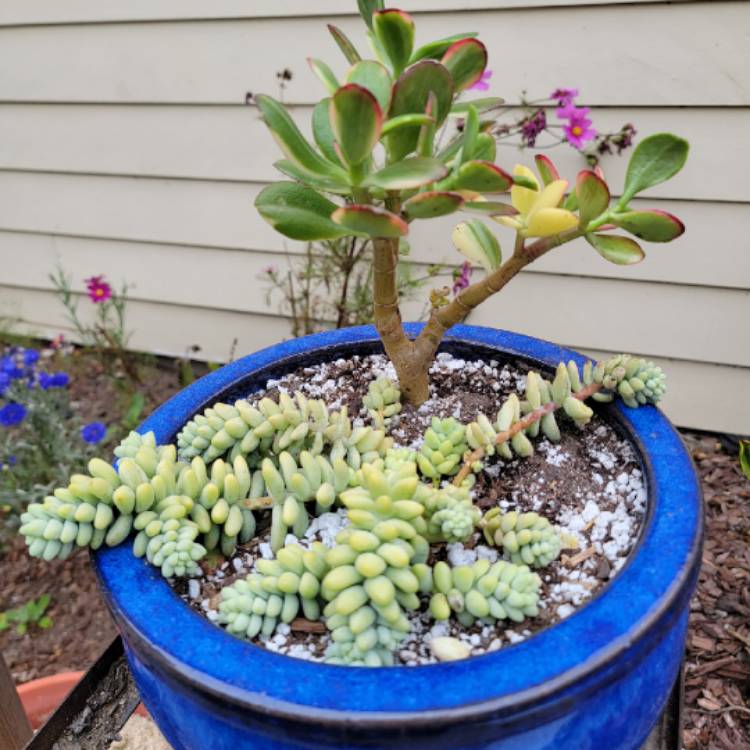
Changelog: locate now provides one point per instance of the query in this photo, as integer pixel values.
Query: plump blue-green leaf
(439, 47)
(395, 32)
(408, 174)
(322, 131)
(432, 204)
(653, 225)
(593, 196)
(374, 77)
(342, 40)
(481, 176)
(298, 212)
(326, 184)
(466, 60)
(356, 120)
(371, 221)
(410, 95)
(616, 249)
(476, 242)
(292, 142)
(460, 109)
(655, 159)
(406, 121)
(367, 8)
(324, 73)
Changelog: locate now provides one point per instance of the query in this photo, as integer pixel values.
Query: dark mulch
(717, 699)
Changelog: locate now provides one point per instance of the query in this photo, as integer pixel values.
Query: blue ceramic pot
(597, 680)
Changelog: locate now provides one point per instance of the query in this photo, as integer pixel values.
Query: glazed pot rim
(631, 609)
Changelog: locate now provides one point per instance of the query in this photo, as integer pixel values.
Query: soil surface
(717, 699)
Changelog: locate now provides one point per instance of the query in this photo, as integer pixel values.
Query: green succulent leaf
(527, 182)
(342, 40)
(370, 221)
(374, 77)
(486, 148)
(745, 457)
(616, 249)
(367, 8)
(439, 47)
(481, 176)
(489, 208)
(655, 159)
(292, 142)
(547, 170)
(322, 131)
(426, 137)
(477, 243)
(410, 94)
(466, 60)
(324, 73)
(470, 135)
(298, 212)
(356, 120)
(406, 121)
(408, 174)
(481, 105)
(327, 184)
(394, 30)
(652, 225)
(593, 196)
(432, 204)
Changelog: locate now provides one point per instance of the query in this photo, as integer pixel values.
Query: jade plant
(380, 161)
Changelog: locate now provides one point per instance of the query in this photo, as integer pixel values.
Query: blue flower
(30, 356)
(12, 414)
(93, 432)
(4, 381)
(9, 463)
(55, 380)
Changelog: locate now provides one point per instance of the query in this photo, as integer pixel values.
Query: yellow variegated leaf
(548, 221)
(475, 241)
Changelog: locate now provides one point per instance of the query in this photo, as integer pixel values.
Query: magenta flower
(483, 84)
(98, 289)
(564, 97)
(532, 126)
(461, 278)
(578, 129)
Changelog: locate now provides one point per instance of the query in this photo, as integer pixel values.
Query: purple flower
(532, 126)
(564, 97)
(93, 432)
(461, 277)
(12, 414)
(98, 289)
(578, 129)
(483, 84)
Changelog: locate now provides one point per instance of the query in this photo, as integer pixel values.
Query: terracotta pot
(41, 697)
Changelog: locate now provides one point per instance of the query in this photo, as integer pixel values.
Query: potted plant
(414, 548)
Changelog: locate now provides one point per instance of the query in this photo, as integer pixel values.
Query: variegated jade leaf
(374, 77)
(489, 208)
(593, 196)
(481, 176)
(322, 131)
(327, 184)
(370, 220)
(410, 95)
(292, 142)
(324, 73)
(477, 243)
(466, 61)
(408, 174)
(439, 47)
(431, 204)
(367, 8)
(356, 120)
(342, 40)
(653, 225)
(620, 250)
(298, 212)
(394, 30)
(406, 121)
(547, 170)
(426, 137)
(655, 159)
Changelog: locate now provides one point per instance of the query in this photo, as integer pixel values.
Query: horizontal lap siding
(115, 158)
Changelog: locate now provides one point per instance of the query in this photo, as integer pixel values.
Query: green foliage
(744, 457)
(132, 417)
(474, 241)
(655, 160)
(451, 515)
(443, 448)
(383, 401)
(527, 538)
(31, 613)
(616, 249)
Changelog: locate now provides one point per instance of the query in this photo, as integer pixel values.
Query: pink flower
(578, 129)
(461, 278)
(483, 84)
(98, 289)
(564, 96)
